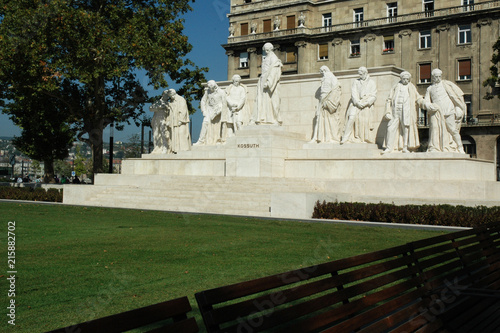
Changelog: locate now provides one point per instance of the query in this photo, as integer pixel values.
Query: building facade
(456, 36)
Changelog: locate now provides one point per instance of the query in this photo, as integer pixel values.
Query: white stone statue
(302, 20)
(159, 125)
(212, 105)
(444, 102)
(178, 122)
(267, 101)
(327, 120)
(359, 112)
(402, 112)
(277, 23)
(231, 30)
(253, 28)
(237, 102)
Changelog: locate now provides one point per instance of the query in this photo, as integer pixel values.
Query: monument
(402, 113)
(268, 101)
(269, 166)
(358, 127)
(327, 119)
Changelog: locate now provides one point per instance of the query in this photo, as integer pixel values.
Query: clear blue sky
(207, 28)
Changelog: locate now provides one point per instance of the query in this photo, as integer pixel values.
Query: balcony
(384, 21)
(493, 120)
(264, 4)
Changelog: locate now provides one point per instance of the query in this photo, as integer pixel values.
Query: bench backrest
(388, 289)
(172, 316)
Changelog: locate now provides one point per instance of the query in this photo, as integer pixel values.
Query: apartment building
(456, 36)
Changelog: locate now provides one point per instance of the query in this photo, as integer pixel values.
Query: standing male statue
(327, 120)
(401, 111)
(267, 102)
(359, 112)
(236, 102)
(159, 125)
(180, 139)
(445, 104)
(212, 105)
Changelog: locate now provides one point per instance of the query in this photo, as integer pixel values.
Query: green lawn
(79, 263)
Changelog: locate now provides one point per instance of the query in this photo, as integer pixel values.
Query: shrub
(446, 215)
(30, 194)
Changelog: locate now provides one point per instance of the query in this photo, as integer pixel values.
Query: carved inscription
(248, 145)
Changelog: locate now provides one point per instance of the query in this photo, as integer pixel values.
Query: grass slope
(80, 263)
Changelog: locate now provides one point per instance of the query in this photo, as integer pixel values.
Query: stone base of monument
(267, 171)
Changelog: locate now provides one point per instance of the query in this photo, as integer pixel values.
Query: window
(244, 29)
(464, 34)
(244, 60)
(327, 20)
(248, 1)
(425, 39)
(267, 25)
(428, 7)
(468, 5)
(355, 48)
(323, 51)
(290, 54)
(468, 104)
(422, 117)
(424, 73)
(358, 17)
(388, 44)
(464, 69)
(392, 11)
(290, 22)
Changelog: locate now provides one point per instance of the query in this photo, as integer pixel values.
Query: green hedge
(445, 215)
(28, 193)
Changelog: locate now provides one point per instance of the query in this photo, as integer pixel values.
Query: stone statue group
(443, 101)
(225, 112)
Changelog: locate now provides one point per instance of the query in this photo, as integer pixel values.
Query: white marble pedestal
(267, 171)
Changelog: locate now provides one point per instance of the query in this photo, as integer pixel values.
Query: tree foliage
(45, 135)
(494, 80)
(86, 55)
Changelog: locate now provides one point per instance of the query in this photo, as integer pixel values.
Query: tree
(494, 80)
(133, 147)
(62, 168)
(81, 163)
(87, 53)
(45, 134)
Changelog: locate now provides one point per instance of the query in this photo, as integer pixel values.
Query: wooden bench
(433, 285)
(170, 316)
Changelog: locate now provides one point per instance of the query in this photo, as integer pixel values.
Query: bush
(445, 215)
(30, 194)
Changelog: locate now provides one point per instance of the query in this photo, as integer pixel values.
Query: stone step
(212, 206)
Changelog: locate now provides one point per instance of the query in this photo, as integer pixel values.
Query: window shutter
(291, 54)
(244, 29)
(425, 71)
(267, 25)
(464, 67)
(290, 22)
(323, 51)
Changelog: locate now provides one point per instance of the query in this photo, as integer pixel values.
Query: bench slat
(175, 309)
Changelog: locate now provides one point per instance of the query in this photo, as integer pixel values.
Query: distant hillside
(6, 138)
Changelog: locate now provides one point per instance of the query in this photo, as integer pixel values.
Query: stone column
(482, 58)
(407, 58)
(253, 62)
(369, 58)
(444, 52)
(486, 146)
(231, 64)
(302, 57)
(339, 54)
